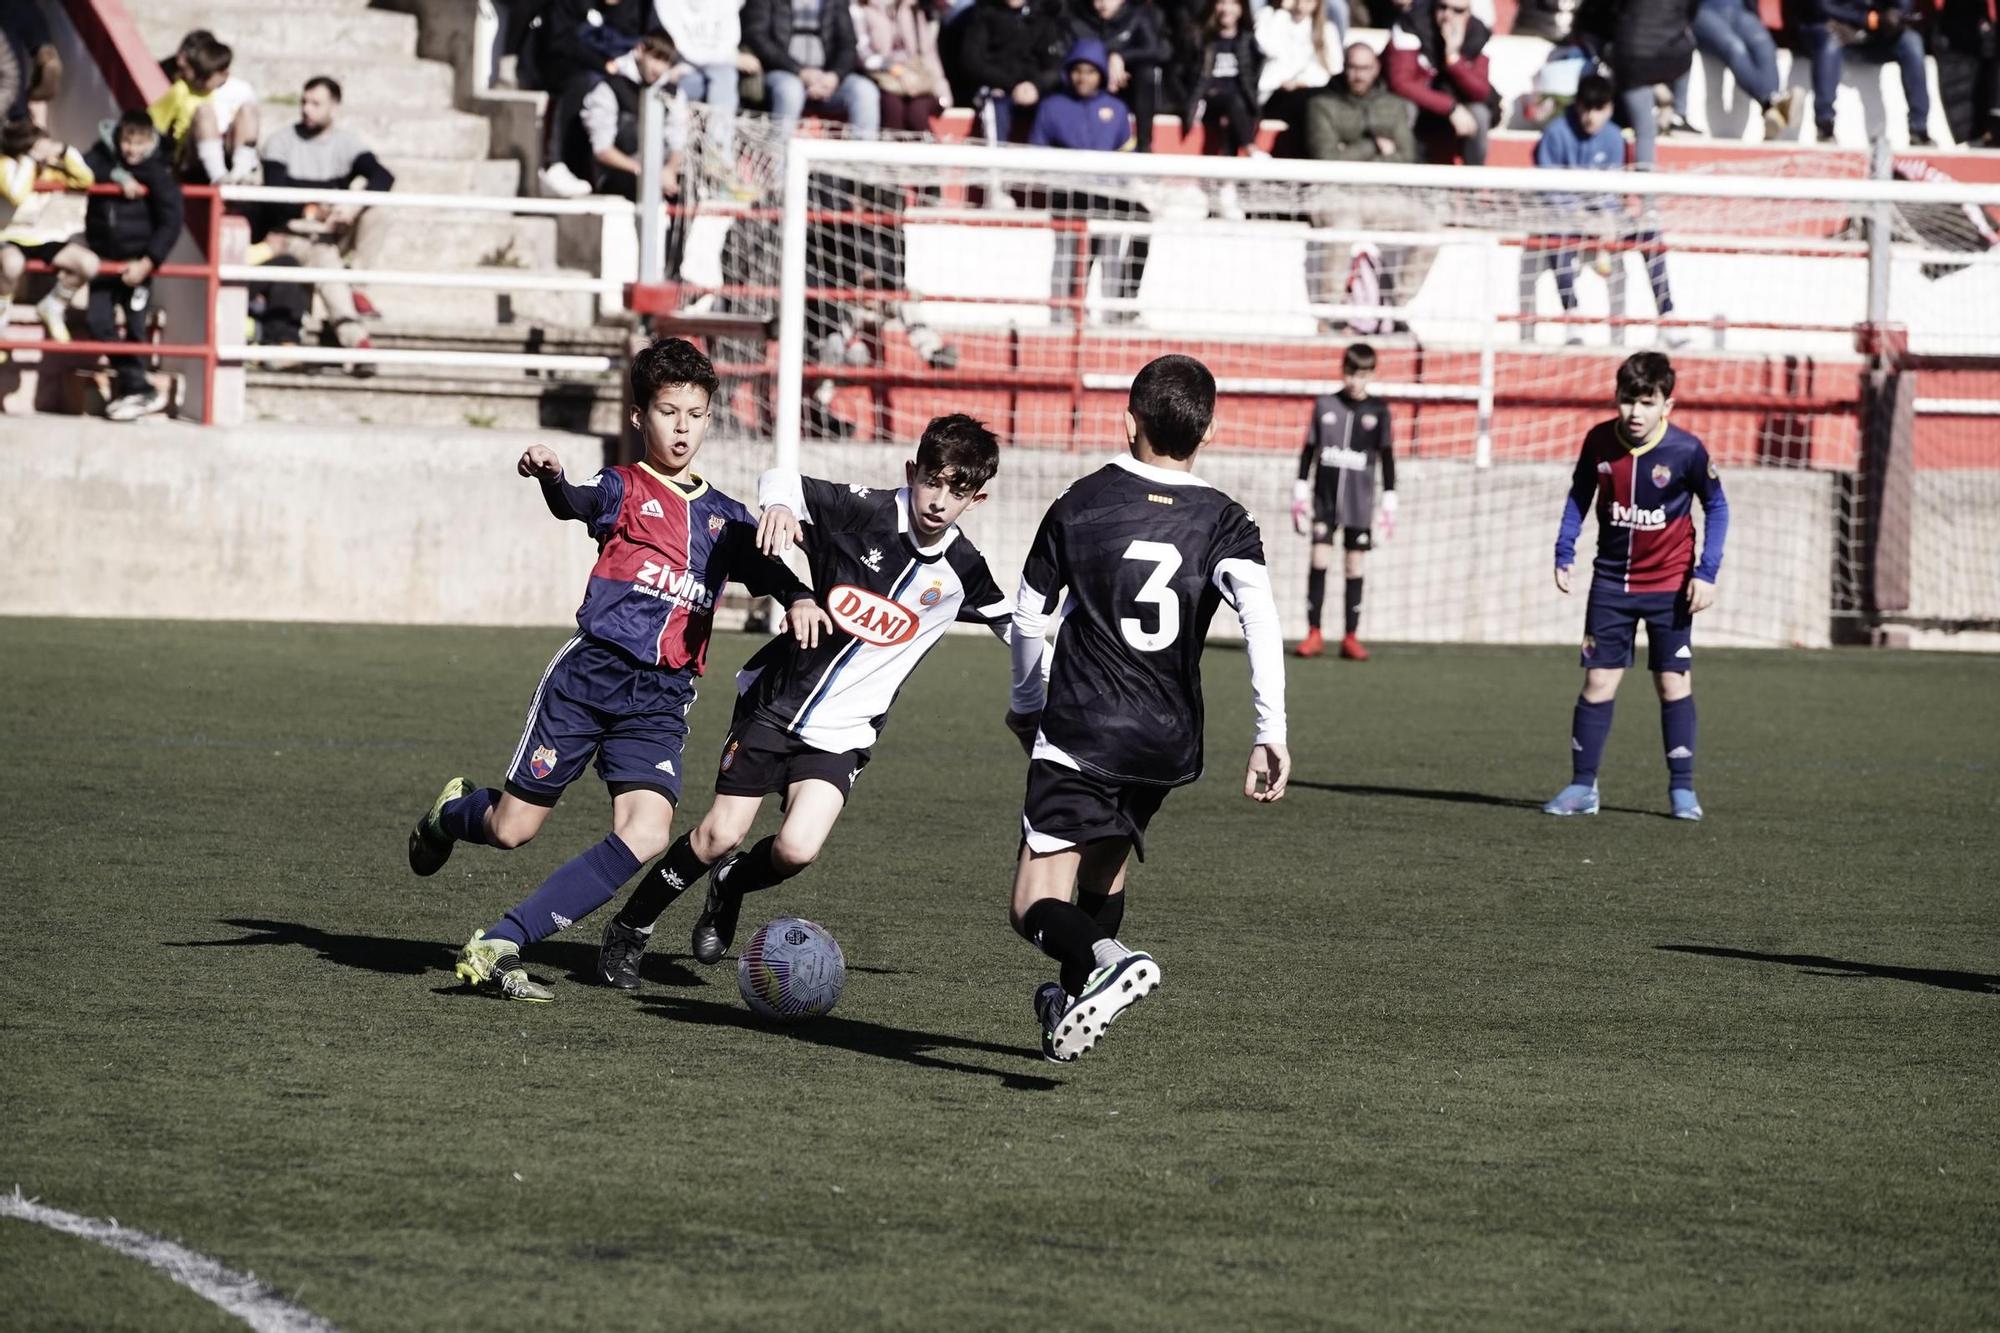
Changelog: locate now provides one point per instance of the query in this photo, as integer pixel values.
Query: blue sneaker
(1575, 799)
(1685, 804)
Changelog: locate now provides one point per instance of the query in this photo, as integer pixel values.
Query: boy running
(622, 687)
(1643, 476)
(893, 571)
(1146, 550)
(1349, 434)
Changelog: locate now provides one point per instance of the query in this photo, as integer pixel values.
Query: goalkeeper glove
(1388, 521)
(1301, 505)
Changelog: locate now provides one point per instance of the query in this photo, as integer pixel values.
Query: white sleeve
(599, 115)
(1246, 585)
(1031, 623)
(782, 486)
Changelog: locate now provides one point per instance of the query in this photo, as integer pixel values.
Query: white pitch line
(240, 1294)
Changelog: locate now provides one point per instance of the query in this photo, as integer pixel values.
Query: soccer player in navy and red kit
(620, 690)
(1643, 476)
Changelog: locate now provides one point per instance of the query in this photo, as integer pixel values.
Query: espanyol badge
(1368, 421)
(542, 762)
(1662, 474)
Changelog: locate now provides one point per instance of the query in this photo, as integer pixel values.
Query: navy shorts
(1612, 618)
(1068, 808)
(758, 759)
(595, 701)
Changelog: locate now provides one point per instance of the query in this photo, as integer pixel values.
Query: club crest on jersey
(1662, 474)
(542, 762)
(651, 509)
(716, 523)
(932, 594)
(1368, 421)
(729, 756)
(871, 617)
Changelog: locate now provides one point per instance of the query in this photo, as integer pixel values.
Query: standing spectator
(317, 154)
(1584, 138)
(1137, 53)
(1084, 115)
(1013, 52)
(904, 62)
(1225, 97)
(1301, 42)
(1967, 40)
(1733, 32)
(1437, 61)
(708, 35)
(138, 227)
(1874, 30)
(27, 231)
(1357, 119)
(1646, 43)
(811, 63)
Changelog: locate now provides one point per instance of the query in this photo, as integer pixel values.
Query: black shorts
(758, 759)
(1355, 539)
(1068, 808)
(46, 252)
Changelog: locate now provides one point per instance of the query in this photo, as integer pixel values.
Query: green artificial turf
(1423, 1057)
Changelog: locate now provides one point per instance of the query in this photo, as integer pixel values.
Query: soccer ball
(791, 969)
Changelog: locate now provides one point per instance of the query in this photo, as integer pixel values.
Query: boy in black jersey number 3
(1146, 550)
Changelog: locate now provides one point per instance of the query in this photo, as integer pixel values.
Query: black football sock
(1106, 909)
(671, 876)
(755, 870)
(1353, 605)
(1315, 596)
(1066, 933)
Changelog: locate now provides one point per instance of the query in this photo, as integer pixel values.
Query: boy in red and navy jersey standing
(1643, 476)
(621, 688)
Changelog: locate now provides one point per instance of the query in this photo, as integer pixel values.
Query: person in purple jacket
(1082, 114)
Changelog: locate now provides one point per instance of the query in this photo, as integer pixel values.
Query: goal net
(1026, 287)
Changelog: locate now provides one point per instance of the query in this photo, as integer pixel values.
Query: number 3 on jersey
(1166, 561)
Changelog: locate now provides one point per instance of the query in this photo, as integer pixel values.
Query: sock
(1677, 735)
(1315, 596)
(1106, 909)
(465, 818)
(1107, 952)
(578, 887)
(246, 160)
(1353, 605)
(756, 871)
(1588, 731)
(674, 874)
(1065, 933)
(209, 153)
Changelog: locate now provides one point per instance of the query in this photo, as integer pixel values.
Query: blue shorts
(594, 700)
(1612, 617)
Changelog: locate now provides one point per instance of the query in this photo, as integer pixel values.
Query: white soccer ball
(791, 969)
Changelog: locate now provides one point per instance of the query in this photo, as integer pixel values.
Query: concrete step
(431, 134)
(343, 30)
(436, 175)
(505, 401)
(367, 83)
(443, 316)
(431, 239)
(557, 340)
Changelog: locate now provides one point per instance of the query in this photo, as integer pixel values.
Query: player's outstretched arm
(566, 501)
(1562, 579)
(1269, 771)
(778, 531)
(807, 620)
(540, 462)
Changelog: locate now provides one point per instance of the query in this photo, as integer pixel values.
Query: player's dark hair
(1642, 373)
(666, 362)
(326, 81)
(1593, 91)
(959, 451)
(197, 37)
(206, 59)
(19, 136)
(136, 119)
(1359, 356)
(1173, 400)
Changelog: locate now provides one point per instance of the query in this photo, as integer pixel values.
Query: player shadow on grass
(850, 1034)
(1454, 797)
(381, 953)
(1979, 983)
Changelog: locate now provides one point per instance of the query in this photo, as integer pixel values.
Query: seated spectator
(27, 229)
(1873, 30)
(1225, 97)
(232, 108)
(708, 35)
(1013, 52)
(1136, 54)
(138, 227)
(1084, 115)
(1585, 139)
(1357, 119)
(1301, 44)
(1733, 32)
(1647, 44)
(202, 115)
(317, 154)
(811, 62)
(582, 37)
(900, 53)
(609, 118)
(1437, 62)
(1967, 40)
(30, 66)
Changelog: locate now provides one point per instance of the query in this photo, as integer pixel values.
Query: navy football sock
(674, 874)
(1353, 605)
(1677, 735)
(578, 887)
(1588, 731)
(1106, 909)
(465, 818)
(1315, 596)
(1066, 933)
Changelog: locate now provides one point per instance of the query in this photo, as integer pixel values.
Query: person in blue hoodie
(1082, 114)
(1584, 138)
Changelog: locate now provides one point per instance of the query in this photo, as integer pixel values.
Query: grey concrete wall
(405, 525)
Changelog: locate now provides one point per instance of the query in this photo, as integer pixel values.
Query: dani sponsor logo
(871, 617)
